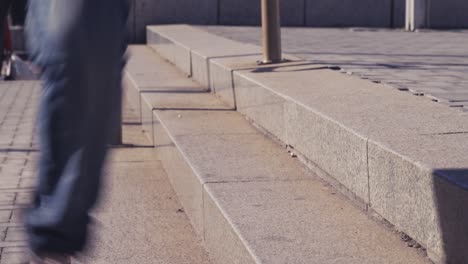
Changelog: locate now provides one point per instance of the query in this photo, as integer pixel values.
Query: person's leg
(79, 45)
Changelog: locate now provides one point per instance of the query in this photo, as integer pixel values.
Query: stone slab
(265, 108)
(171, 50)
(340, 152)
(295, 222)
(365, 13)
(222, 75)
(369, 119)
(140, 218)
(203, 47)
(394, 179)
(231, 162)
(147, 72)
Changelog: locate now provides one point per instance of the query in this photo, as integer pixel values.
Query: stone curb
(386, 148)
(246, 197)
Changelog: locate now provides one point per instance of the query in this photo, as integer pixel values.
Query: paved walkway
(432, 63)
(139, 219)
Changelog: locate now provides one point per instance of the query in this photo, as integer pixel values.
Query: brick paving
(429, 63)
(18, 153)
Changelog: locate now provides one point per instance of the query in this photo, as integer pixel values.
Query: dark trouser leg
(4, 7)
(18, 12)
(79, 45)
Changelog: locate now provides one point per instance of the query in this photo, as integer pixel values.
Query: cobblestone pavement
(429, 63)
(18, 152)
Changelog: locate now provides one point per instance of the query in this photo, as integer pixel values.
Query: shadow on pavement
(451, 191)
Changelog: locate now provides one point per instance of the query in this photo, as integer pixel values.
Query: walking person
(79, 47)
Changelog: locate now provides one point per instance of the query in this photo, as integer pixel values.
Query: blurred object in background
(22, 69)
(12, 18)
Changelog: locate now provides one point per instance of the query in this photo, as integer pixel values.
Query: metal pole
(416, 14)
(271, 31)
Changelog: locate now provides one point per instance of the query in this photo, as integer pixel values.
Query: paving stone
(13, 258)
(5, 216)
(15, 234)
(421, 57)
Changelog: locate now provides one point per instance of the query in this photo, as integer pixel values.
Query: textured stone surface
(262, 106)
(238, 152)
(311, 225)
(203, 48)
(264, 179)
(339, 151)
(147, 72)
(170, 50)
(394, 179)
(366, 136)
(426, 63)
(222, 74)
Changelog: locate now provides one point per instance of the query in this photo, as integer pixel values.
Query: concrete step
(401, 157)
(248, 199)
(139, 219)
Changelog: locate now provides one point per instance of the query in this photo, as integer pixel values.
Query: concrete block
(184, 101)
(222, 75)
(393, 182)
(191, 49)
(294, 222)
(153, 12)
(161, 44)
(448, 14)
(203, 54)
(220, 238)
(396, 179)
(201, 69)
(184, 123)
(365, 13)
(245, 12)
(147, 72)
(222, 83)
(264, 107)
(245, 157)
(171, 50)
(339, 151)
(147, 119)
(188, 187)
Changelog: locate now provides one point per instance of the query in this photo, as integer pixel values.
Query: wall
(315, 13)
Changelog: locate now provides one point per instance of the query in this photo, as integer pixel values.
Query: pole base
(269, 62)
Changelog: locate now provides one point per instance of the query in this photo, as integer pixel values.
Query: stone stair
(401, 158)
(248, 198)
